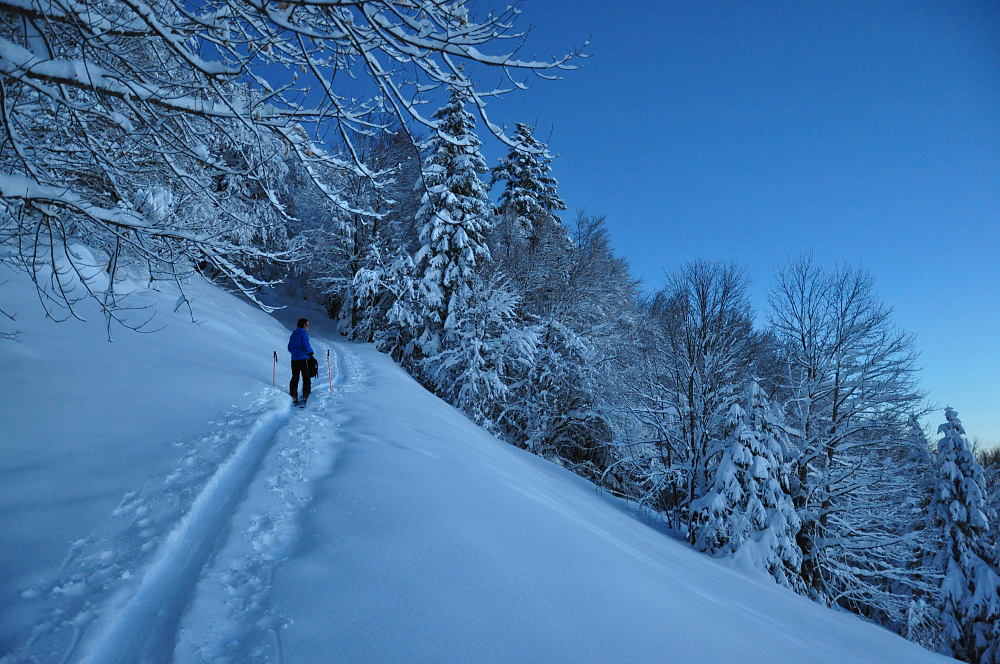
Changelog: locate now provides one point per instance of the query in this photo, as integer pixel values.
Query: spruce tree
(484, 347)
(970, 587)
(453, 219)
(386, 295)
(719, 518)
(748, 507)
(529, 195)
(777, 551)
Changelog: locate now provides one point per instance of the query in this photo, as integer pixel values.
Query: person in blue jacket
(301, 350)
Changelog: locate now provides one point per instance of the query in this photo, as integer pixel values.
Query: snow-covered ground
(161, 502)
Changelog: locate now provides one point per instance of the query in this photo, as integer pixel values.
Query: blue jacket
(298, 344)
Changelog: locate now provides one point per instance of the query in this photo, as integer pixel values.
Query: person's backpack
(313, 367)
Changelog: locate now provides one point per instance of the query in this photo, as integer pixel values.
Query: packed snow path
(147, 625)
(122, 601)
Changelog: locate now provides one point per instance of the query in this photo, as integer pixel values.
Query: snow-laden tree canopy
(530, 194)
(154, 131)
(970, 588)
(747, 503)
(454, 216)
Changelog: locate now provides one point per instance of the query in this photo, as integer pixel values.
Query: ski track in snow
(232, 619)
(145, 628)
(124, 599)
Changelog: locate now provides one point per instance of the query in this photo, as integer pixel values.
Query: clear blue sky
(868, 132)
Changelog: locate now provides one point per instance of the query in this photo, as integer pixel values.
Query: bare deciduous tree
(848, 391)
(702, 353)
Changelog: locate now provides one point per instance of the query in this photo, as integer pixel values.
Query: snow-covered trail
(145, 629)
(124, 599)
(233, 618)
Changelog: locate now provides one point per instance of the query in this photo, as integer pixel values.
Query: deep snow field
(160, 501)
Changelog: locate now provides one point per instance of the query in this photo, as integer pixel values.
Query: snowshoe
(301, 403)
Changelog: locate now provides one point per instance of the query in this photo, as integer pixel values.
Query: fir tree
(550, 391)
(386, 296)
(748, 507)
(453, 219)
(970, 588)
(529, 195)
(484, 347)
(721, 517)
(777, 551)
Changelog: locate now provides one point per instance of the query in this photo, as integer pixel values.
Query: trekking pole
(329, 369)
(274, 369)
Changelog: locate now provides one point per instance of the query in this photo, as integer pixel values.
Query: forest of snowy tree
(258, 142)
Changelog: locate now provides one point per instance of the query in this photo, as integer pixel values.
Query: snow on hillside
(161, 502)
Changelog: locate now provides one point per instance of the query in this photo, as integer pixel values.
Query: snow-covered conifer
(920, 468)
(454, 216)
(484, 346)
(385, 293)
(722, 516)
(776, 549)
(748, 506)
(919, 446)
(546, 391)
(580, 299)
(530, 192)
(970, 588)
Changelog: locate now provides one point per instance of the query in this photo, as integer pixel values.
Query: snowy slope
(92, 430)
(161, 502)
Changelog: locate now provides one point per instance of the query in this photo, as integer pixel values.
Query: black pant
(300, 367)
